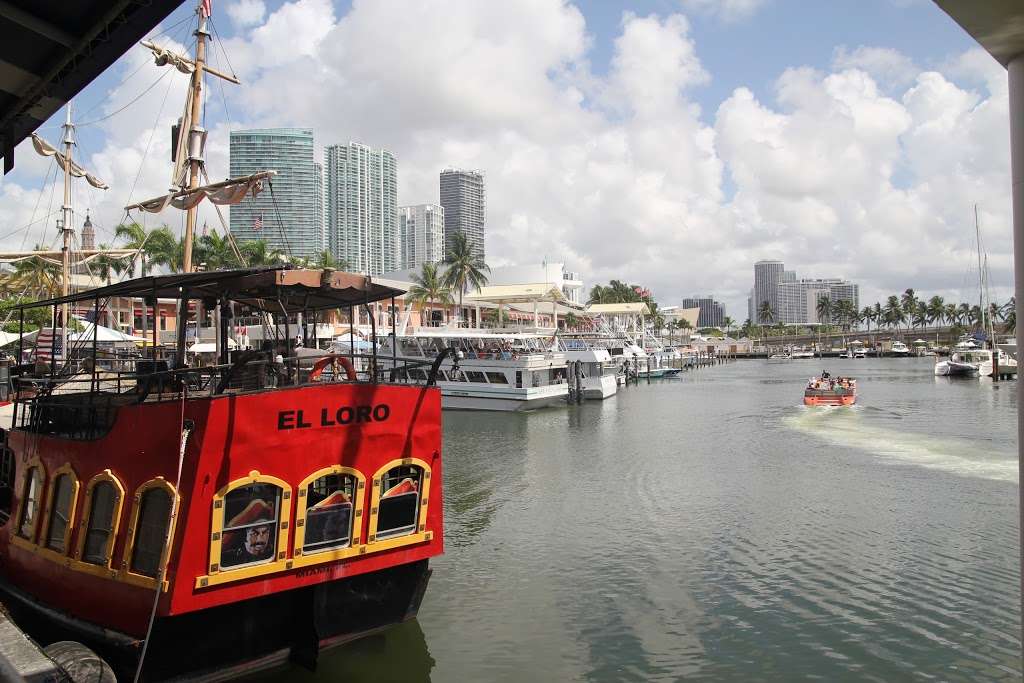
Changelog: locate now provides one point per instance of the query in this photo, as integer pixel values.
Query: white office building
(421, 234)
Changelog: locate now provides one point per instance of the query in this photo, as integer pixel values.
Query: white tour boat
(598, 380)
(496, 371)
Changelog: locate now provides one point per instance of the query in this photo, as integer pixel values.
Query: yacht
(968, 360)
(802, 354)
(492, 371)
(598, 380)
(899, 349)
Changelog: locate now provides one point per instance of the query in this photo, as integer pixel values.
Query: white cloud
(246, 13)
(727, 10)
(885, 64)
(868, 169)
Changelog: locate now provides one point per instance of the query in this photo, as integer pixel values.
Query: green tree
(894, 315)
(465, 268)
(824, 309)
(1010, 314)
(429, 288)
(259, 253)
(908, 301)
(35, 277)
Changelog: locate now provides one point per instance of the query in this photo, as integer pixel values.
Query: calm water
(710, 527)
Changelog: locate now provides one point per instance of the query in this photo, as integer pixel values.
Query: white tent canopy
(210, 347)
(103, 334)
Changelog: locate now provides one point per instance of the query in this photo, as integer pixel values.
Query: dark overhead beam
(35, 24)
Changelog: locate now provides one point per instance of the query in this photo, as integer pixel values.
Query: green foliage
(34, 317)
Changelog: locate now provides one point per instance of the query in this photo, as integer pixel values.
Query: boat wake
(847, 426)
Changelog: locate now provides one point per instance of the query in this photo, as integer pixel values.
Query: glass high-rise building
(712, 313)
(287, 217)
(421, 232)
(767, 275)
(464, 199)
(361, 207)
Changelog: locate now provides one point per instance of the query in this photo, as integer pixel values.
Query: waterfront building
(287, 217)
(464, 199)
(767, 276)
(421, 234)
(712, 313)
(798, 300)
(361, 203)
(555, 274)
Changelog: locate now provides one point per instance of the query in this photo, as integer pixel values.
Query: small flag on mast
(205, 9)
(257, 223)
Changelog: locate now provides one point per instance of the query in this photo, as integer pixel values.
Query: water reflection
(713, 528)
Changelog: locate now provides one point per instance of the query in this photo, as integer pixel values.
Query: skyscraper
(712, 313)
(465, 207)
(287, 217)
(321, 219)
(767, 275)
(421, 231)
(798, 299)
(361, 204)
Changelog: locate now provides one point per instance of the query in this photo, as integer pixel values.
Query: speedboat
(899, 349)
(966, 362)
(826, 390)
(779, 358)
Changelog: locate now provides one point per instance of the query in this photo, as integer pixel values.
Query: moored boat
(826, 390)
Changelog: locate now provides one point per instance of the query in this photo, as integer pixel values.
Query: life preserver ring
(318, 367)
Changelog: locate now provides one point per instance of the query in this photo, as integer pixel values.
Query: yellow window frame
(421, 534)
(126, 574)
(16, 538)
(52, 554)
(106, 570)
(355, 545)
(280, 562)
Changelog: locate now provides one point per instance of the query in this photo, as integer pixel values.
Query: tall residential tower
(287, 217)
(465, 207)
(421, 232)
(361, 206)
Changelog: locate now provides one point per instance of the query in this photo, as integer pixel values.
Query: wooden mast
(66, 231)
(195, 143)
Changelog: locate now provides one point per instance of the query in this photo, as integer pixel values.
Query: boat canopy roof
(271, 289)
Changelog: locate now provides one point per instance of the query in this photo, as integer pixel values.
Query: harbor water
(710, 527)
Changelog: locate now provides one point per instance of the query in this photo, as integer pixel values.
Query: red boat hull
(284, 434)
(834, 400)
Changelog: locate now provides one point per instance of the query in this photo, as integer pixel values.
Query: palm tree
(729, 324)
(36, 277)
(935, 313)
(216, 252)
(824, 310)
(1010, 314)
(894, 314)
(259, 253)
(106, 266)
(135, 237)
(908, 301)
(952, 314)
(466, 268)
(919, 318)
(428, 288)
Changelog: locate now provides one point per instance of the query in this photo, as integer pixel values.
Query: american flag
(205, 9)
(257, 223)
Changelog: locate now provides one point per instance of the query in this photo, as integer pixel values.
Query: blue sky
(663, 177)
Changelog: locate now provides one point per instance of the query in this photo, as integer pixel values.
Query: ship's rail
(84, 405)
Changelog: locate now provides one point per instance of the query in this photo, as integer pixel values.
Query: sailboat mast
(195, 133)
(66, 229)
(981, 279)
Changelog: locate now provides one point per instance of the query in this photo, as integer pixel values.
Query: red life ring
(318, 367)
